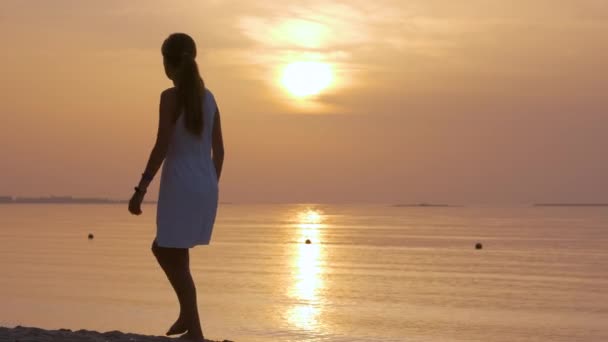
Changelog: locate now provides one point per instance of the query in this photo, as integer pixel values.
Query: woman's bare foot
(179, 327)
(192, 337)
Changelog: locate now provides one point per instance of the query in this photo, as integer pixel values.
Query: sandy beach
(29, 334)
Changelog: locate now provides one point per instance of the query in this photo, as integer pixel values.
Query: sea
(368, 272)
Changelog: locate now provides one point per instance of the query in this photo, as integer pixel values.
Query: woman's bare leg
(175, 262)
(195, 331)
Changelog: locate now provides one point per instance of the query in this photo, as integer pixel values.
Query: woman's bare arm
(166, 122)
(217, 144)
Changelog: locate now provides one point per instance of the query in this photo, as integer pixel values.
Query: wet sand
(28, 334)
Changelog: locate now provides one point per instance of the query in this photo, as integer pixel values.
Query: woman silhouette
(189, 141)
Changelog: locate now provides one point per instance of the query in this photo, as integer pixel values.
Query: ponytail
(190, 90)
(179, 52)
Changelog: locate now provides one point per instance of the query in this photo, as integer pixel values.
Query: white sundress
(188, 196)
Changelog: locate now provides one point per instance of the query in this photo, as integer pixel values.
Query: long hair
(179, 52)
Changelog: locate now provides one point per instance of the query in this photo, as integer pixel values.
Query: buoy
(91, 236)
(478, 245)
(308, 242)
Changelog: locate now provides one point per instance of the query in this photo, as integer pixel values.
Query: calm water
(372, 273)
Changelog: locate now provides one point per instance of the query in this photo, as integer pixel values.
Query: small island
(571, 205)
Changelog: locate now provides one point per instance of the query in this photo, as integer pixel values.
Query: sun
(310, 216)
(303, 79)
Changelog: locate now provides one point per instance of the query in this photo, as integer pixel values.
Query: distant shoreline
(70, 200)
(61, 200)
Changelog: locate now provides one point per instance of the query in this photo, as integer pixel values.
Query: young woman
(189, 141)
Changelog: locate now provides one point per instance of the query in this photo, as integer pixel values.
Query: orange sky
(478, 101)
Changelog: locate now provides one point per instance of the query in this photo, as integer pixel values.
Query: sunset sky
(477, 101)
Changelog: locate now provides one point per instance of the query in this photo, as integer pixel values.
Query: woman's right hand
(135, 203)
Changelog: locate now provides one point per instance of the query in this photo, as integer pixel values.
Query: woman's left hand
(135, 203)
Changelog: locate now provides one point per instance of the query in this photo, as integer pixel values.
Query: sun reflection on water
(308, 271)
